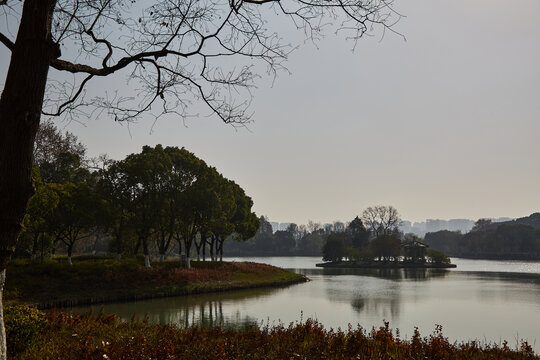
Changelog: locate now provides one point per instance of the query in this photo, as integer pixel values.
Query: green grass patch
(94, 280)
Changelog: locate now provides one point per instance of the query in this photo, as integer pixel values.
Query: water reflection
(200, 310)
(385, 308)
(390, 274)
(472, 304)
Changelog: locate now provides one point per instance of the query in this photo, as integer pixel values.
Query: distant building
(414, 251)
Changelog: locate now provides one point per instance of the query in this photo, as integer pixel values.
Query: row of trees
(150, 200)
(309, 240)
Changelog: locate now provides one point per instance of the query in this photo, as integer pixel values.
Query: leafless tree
(381, 220)
(313, 226)
(176, 55)
(50, 142)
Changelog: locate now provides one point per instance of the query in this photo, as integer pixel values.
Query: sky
(444, 124)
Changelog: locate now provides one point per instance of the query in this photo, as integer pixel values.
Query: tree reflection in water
(185, 311)
(382, 300)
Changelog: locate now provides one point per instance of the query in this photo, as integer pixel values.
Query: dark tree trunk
(198, 248)
(119, 239)
(69, 253)
(187, 245)
(35, 245)
(203, 242)
(20, 111)
(179, 240)
(212, 248)
(220, 249)
(146, 252)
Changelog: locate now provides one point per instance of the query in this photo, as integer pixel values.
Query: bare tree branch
(199, 50)
(5, 40)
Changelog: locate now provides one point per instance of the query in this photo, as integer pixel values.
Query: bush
(22, 324)
(437, 257)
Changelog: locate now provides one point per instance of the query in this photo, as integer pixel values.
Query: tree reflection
(390, 274)
(385, 308)
(195, 310)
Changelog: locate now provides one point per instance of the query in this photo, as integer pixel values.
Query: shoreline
(100, 281)
(68, 303)
(351, 265)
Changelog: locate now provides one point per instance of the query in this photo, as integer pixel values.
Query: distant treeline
(294, 241)
(361, 237)
(518, 239)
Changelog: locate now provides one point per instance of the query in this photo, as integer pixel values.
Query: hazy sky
(443, 125)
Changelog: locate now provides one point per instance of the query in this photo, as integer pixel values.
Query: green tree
(265, 226)
(40, 206)
(386, 247)
(437, 257)
(245, 222)
(284, 243)
(185, 171)
(144, 172)
(75, 215)
(311, 244)
(66, 167)
(334, 248)
(358, 233)
(481, 225)
(113, 187)
(444, 241)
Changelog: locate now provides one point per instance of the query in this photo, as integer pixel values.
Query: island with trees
(374, 241)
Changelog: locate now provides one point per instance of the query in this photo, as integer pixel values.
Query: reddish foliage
(103, 337)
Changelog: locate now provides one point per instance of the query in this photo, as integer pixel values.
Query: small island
(386, 249)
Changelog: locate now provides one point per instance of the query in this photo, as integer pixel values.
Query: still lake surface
(481, 299)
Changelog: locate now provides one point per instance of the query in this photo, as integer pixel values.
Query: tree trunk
(20, 110)
(137, 246)
(212, 248)
(203, 243)
(35, 246)
(146, 253)
(3, 349)
(220, 250)
(69, 252)
(198, 248)
(187, 246)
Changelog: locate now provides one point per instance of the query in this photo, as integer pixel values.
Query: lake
(481, 299)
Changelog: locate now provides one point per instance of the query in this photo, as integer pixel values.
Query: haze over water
(485, 300)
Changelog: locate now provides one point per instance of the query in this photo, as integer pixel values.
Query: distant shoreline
(517, 257)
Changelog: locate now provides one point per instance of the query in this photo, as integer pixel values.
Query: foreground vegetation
(95, 280)
(105, 337)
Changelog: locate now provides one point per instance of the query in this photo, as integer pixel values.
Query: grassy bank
(97, 280)
(104, 337)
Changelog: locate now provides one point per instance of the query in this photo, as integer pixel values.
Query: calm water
(485, 300)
